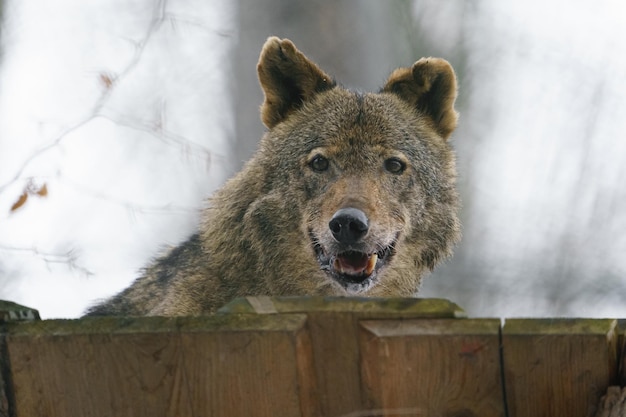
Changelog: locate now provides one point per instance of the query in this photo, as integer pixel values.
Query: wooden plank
(333, 323)
(621, 325)
(380, 307)
(558, 367)
(163, 367)
(431, 367)
(10, 311)
(6, 394)
(253, 373)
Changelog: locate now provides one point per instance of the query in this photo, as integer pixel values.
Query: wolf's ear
(430, 87)
(288, 79)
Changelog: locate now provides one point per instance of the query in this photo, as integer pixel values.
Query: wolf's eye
(319, 163)
(395, 165)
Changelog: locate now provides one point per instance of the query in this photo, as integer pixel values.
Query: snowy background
(118, 118)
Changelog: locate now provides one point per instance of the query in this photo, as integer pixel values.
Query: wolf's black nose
(349, 225)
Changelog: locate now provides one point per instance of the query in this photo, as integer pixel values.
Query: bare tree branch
(140, 46)
(69, 258)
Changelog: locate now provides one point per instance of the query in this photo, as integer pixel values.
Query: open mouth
(355, 264)
(355, 271)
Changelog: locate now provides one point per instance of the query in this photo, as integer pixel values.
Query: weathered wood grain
(289, 356)
(380, 307)
(621, 325)
(163, 367)
(558, 367)
(432, 367)
(333, 323)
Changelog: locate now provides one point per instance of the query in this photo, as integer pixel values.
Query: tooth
(337, 266)
(371, 264)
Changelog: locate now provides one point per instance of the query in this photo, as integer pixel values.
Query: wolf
(349, 194)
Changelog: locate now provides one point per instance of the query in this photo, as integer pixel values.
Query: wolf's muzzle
(349, 225)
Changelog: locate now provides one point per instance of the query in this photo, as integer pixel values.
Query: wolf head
(354, 194)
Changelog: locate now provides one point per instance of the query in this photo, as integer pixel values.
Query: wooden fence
(339, 357)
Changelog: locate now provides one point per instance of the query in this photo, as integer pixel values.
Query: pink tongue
(353, 263)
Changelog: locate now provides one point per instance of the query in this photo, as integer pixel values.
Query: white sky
(124, 166)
